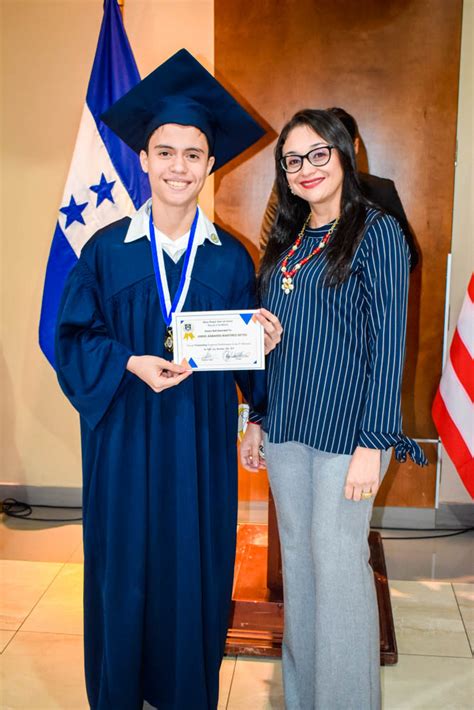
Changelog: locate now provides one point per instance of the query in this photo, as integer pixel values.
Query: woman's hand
(272, 328)
(249, 446)
(363, 474)
(156, 372)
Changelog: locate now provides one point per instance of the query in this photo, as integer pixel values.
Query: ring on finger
(366, 494)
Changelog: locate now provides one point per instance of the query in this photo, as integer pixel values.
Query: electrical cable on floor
(425, 537)
(17, 509)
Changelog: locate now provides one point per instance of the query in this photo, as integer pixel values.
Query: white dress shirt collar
(139, 227)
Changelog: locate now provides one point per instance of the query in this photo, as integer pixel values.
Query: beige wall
(462, 248)
(47, 53)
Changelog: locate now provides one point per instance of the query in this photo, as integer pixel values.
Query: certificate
(219, 340)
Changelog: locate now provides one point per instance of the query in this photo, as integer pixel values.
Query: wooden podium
(256, 621)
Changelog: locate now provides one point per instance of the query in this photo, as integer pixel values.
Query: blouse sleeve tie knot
(408, 446)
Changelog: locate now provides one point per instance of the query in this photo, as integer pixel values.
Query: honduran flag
(105, 181)
(453, 407)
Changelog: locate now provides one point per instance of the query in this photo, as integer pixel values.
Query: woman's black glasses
(317, 156)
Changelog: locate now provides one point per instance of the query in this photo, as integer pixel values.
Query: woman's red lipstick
(307, 184)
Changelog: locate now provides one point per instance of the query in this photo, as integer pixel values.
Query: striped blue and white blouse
(334, 381)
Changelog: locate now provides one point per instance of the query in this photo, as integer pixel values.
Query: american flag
(453, 406)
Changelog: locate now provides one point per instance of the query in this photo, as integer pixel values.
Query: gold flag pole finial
(121, 4)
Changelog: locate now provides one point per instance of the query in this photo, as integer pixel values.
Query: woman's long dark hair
(292, 210)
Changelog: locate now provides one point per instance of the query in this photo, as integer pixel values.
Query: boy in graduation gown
(159, 444)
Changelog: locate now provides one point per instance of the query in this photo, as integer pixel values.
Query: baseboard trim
(42, 495)
(406, 518)
(448, 515)
(455, 515)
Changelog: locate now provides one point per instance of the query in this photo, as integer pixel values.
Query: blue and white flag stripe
(105, 181)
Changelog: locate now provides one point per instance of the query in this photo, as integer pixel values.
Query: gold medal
(169, 339)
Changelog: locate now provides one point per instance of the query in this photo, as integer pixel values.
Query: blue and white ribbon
(168, 307)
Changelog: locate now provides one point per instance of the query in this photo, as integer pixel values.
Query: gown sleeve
(90, 365)
(385, 283)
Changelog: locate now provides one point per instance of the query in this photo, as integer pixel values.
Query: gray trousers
(331, 646)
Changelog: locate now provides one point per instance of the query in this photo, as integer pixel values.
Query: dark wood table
(256, 622)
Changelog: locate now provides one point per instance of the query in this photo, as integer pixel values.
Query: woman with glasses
(335, 272)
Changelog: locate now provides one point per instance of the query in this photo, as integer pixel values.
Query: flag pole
(447, 305)
(121, 4)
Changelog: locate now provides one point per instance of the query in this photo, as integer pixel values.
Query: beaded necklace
(287, 280)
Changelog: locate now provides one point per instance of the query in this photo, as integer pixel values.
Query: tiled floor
(41, 627)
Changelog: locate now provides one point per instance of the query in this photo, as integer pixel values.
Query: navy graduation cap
(181, 91)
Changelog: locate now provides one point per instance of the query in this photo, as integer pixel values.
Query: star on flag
(74, 212)
(103, 190)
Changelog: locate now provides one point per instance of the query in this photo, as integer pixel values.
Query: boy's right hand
(159, 374)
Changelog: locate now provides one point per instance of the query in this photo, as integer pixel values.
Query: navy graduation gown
(160, 475)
